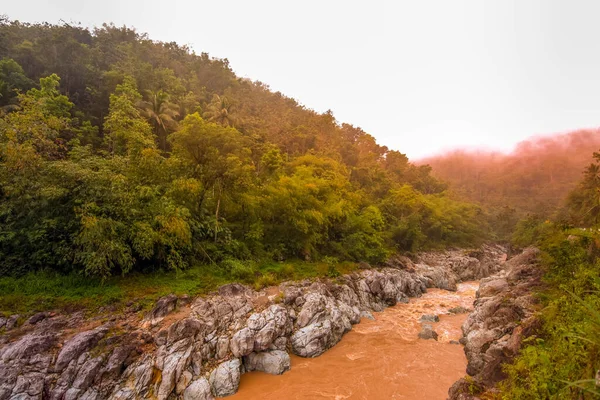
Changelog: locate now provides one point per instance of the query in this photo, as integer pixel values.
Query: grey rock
(225, 379)
(367, 315)
(12, 322)
(185, 328)
(429, 318)
(427, 332)
(35, 318)
(26, 347)
(174, 364)
(242, 342)
(312, 340)
(274, 362)
(198, 390)
(312, 310)
(87, 373)
(458, 310)
(222, 347)
(164, 306)
(77, 345)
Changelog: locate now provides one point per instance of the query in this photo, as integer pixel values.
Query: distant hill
(536, 177)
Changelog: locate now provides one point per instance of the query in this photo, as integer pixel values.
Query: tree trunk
(217, 214)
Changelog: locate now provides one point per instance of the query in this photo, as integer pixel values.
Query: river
(381, 359)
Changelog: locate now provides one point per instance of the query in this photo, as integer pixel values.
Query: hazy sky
(421, 76)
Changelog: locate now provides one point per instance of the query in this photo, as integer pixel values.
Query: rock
(279, 344)
(454, 342)
(198, 390)
(491, 287)
(458, 310)
(12, 322)
(77, 345)
(429, 318)
(163, 307)
(35, 318)
(427, 332)
(31, 383)
(312, 340)
(87, 373)
(233, 290)
(364, 265)
(185, 328)
(367, 315)
(161, 337)
(242, 342)
(225, 379)
(222, 347)
(502, 317)
(176, 359)
(27, 347)
(274, 362)
(183, 382)
(312, 310)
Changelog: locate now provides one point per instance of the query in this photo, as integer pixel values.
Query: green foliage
(562, 360)
(584, 201)
(204, 168)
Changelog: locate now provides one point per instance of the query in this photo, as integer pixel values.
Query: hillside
(535, 177)
(119, 153)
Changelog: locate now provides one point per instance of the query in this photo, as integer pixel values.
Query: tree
(12, 81)
(127, 131)
(584, 201)
(218, 158)
(220, 111)
(161, 113)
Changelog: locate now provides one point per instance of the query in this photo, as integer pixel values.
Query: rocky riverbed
(199, 348)
(381, 358)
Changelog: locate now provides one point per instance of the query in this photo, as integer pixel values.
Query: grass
(47, 290)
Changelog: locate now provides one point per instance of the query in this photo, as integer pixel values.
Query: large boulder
(274, 362)
(312, 340)
(198, 390)
(225, 379)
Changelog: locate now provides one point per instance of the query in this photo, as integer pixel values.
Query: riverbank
(503, 316)
(198, 348)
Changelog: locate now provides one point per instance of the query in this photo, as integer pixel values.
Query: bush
(240, 270)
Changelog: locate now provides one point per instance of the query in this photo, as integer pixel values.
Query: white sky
(422, 76)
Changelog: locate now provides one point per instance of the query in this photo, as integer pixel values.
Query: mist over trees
(535, 178)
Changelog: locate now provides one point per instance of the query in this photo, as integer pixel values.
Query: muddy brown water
(381, 359)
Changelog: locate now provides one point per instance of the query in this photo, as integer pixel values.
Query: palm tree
(220, 111)
(161, 114)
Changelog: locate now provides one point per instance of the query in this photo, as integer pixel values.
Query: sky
(421, 76)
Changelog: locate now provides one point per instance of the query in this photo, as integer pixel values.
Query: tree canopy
(120, 153)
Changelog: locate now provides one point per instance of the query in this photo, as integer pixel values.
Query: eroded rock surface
(502, 318)
(188, 348)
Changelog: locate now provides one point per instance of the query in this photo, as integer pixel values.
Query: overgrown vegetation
(122, 155)
(47, 289)
(562, 360)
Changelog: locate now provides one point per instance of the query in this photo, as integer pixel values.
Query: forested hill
(536, 177)
(120, 153)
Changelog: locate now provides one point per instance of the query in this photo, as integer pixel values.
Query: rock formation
(198, 348)
(502, 318)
